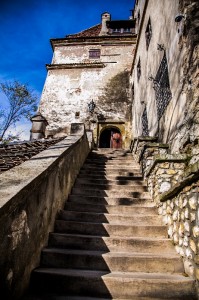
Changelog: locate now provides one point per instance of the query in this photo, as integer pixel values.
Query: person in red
(116, 141)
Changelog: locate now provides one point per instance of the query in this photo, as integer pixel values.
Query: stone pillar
(39, 124)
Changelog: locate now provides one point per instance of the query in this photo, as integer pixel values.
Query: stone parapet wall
(163, 173)
(31, 196)
(173, 182)
(138, 144)
(180, 213)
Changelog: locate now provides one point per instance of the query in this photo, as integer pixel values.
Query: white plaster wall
(164, 31)
(139, 8)
(67, 91)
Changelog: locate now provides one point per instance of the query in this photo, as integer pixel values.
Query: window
(138, 17)
(145, 128)
(133, 93)
(94, 53)
(162, 87)
(116, 30)
(148, 33)
(127, 30)
(138, 69)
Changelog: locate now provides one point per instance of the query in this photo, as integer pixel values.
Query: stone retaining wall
(31, 196)
(173, 182)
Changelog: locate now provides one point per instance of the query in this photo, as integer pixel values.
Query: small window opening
(116, 30)
(138, 17)
(148, 33)
(138, 70)
(145, 127)
(127, 30)
(94, 53)
(77, 114)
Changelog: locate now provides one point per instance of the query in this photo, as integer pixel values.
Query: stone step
(110, 187)
(111, 173)
(115, 284)
(116, 168)
(140, 200)
(110, 159)
(115, 244)
(118, 218)
(112, 209)
(135, 192)
(111, 177)
(103, 229)
(111, 163)
(107, 183)
(103, 153)
(122, 261)
(52, 296)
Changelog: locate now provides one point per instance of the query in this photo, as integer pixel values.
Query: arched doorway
(110, 138)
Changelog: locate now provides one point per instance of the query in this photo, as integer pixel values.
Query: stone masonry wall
(31, 196)
(173, 182)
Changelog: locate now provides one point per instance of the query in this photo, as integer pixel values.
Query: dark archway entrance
(110, 138)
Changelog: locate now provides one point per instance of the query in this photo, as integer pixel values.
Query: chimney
(105, 17)
(39, 124)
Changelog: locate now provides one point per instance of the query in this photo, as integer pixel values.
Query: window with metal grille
(148, 33)
(138, 17)
(162, 87)
(133, 93)
(138, 69)
(145, 128)
(94, 53)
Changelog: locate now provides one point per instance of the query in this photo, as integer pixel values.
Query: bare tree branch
(21, 104)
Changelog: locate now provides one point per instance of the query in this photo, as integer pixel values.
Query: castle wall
(177, 41)
(74, 79)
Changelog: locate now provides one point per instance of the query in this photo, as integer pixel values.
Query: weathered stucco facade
(164, 73)
(82, 66)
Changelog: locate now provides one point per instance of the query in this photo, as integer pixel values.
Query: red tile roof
(14, 154)
(90, 32)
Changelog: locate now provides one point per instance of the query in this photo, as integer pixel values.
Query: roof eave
(86, 38)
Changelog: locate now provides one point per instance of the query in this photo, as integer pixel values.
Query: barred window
(145, 127)
(138, 69)
(94, 53)
(133, 92)
(162, 87)
(148, 33)
(138, 17)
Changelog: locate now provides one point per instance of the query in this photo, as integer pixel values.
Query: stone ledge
(74, 66)
(152, 145)
(143, 139)
(147, 138)
(192, 175)
(182, 158)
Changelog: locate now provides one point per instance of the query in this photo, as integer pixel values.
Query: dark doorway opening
(106, 137)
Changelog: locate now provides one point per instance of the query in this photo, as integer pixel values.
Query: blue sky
(27, 26)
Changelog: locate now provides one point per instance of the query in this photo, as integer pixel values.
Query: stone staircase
(109, 242)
